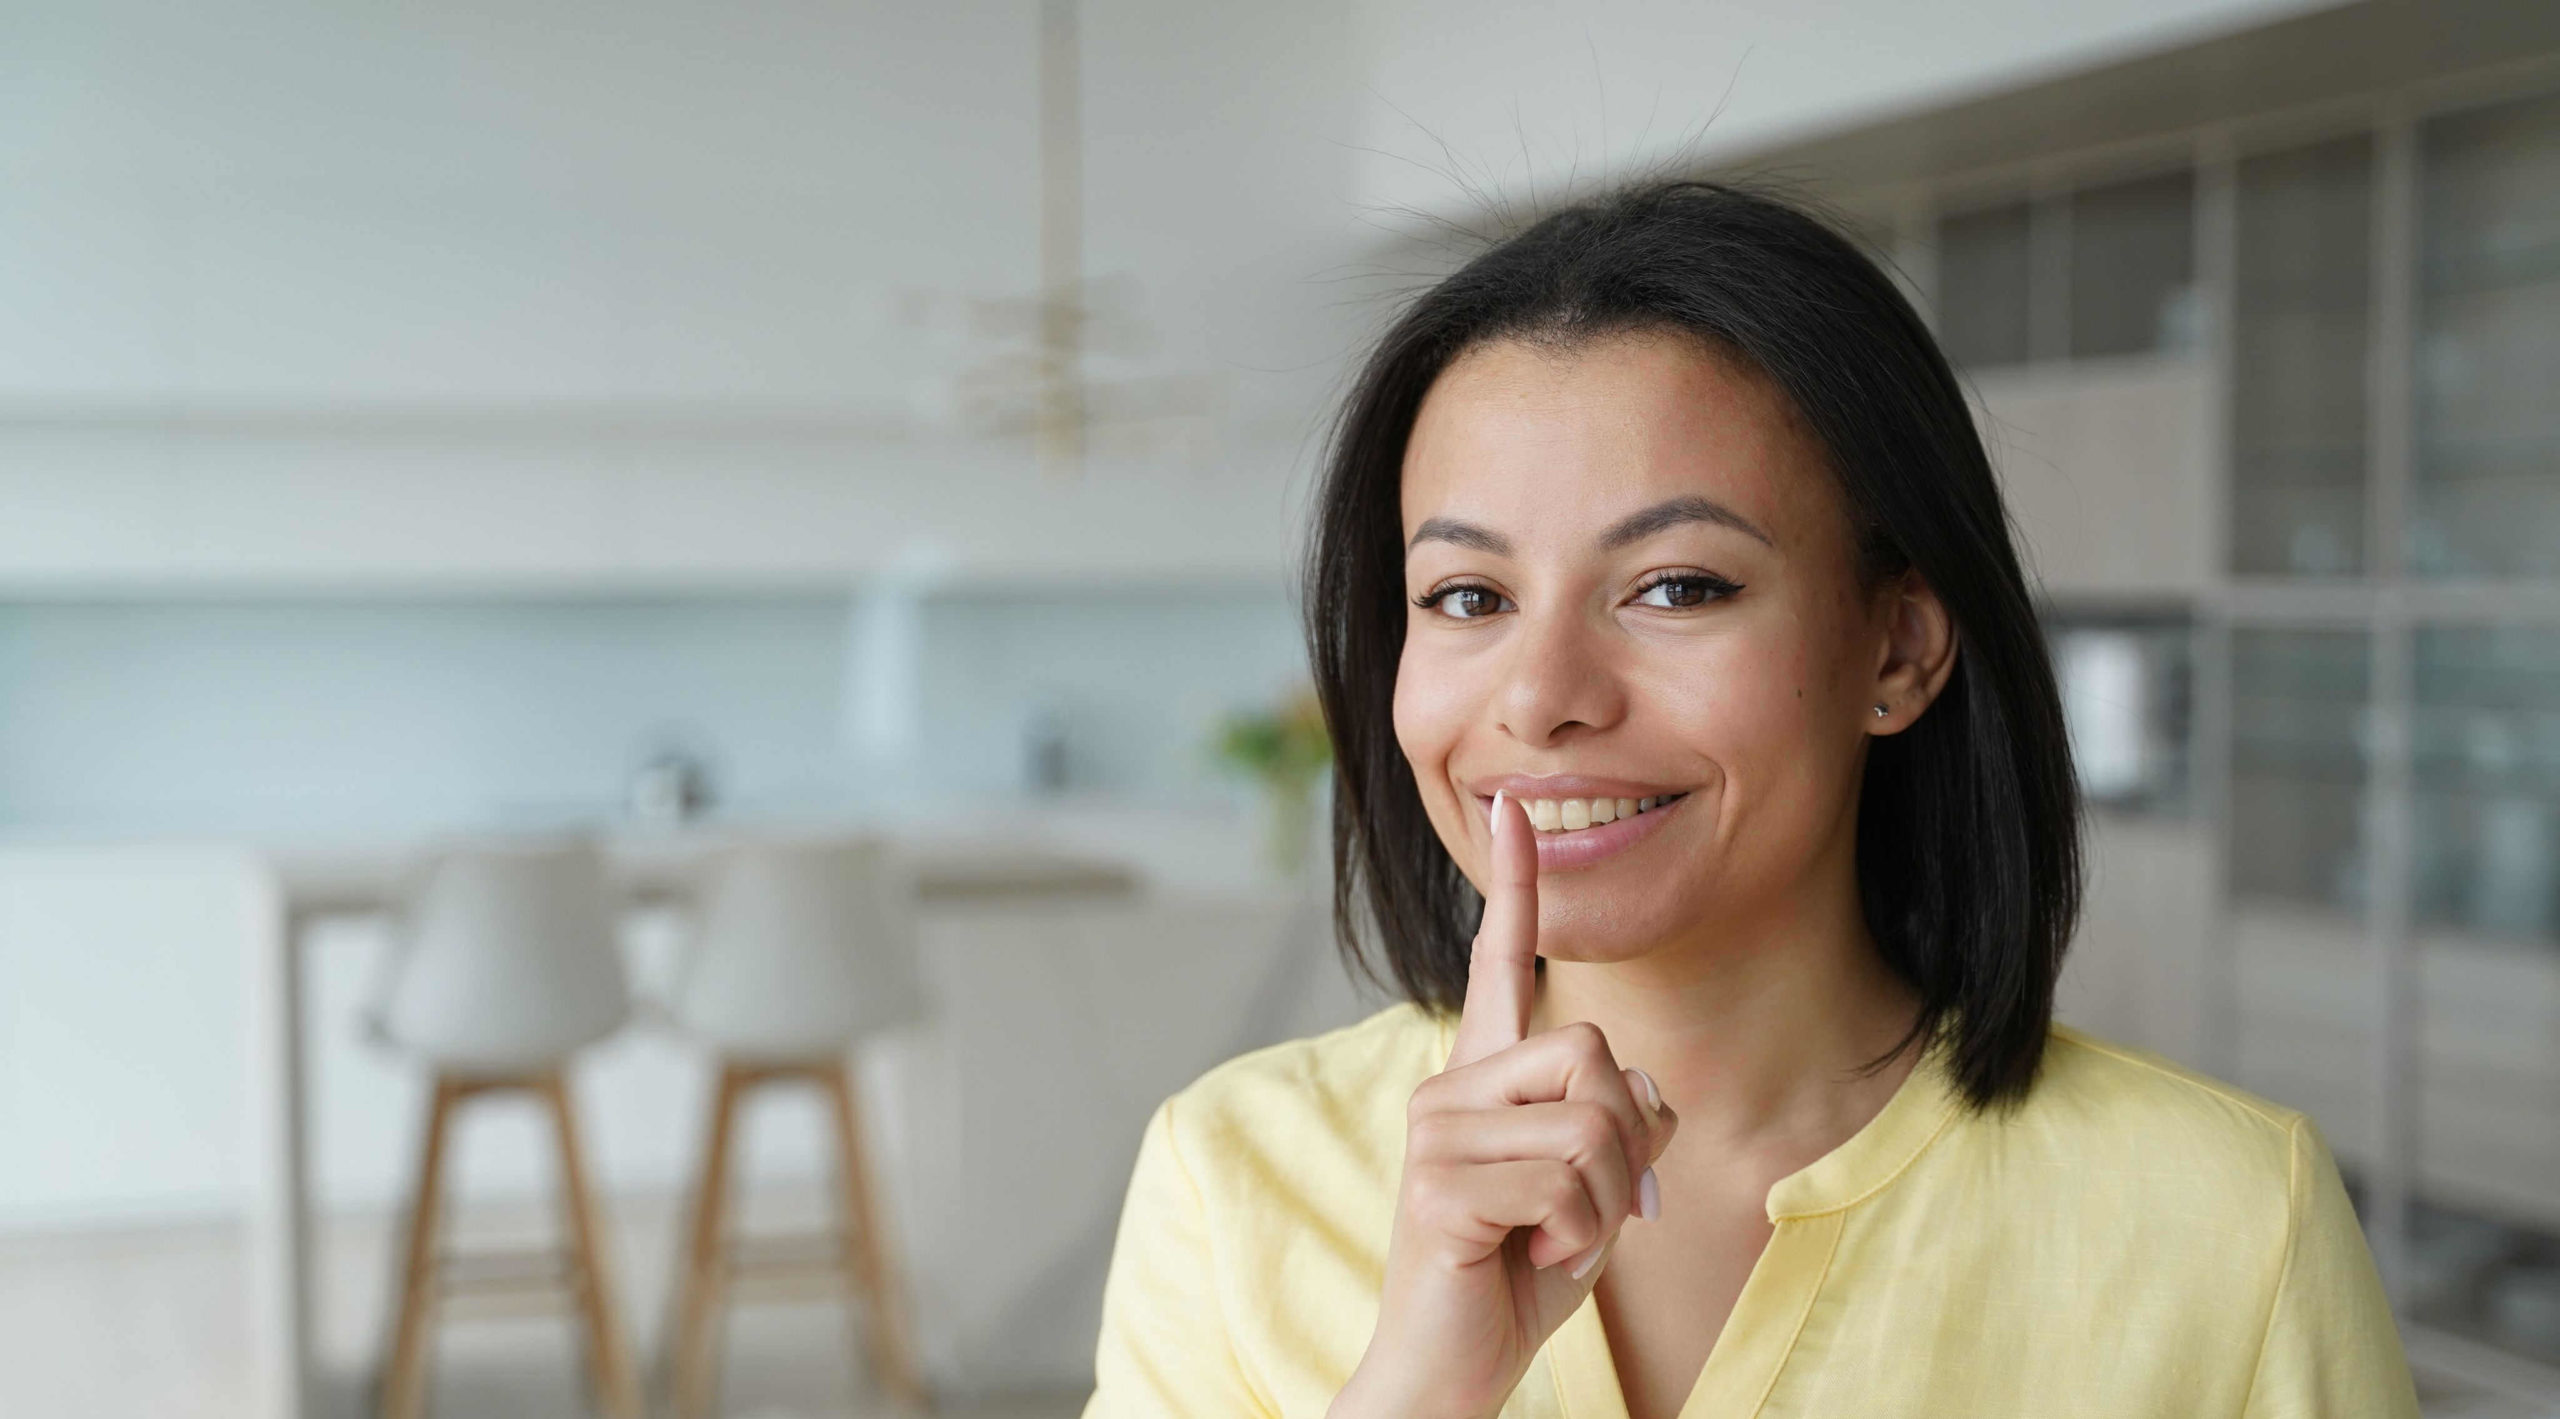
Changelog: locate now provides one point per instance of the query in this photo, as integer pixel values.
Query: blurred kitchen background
(695, 432)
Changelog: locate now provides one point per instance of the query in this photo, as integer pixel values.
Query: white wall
(310, 293)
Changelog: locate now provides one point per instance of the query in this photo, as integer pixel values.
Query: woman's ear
(1915, 654)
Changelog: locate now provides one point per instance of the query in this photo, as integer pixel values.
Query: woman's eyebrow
(1635, 527)
(1463, 534)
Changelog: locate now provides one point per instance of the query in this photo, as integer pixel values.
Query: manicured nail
(1648, 1197)
(1590, 1259)
(1652, 1091)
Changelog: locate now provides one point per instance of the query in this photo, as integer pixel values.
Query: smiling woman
(1702, 784)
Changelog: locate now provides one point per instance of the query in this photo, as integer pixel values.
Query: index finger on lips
(1502, 978)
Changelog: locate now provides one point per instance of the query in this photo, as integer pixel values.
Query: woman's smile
(1581, 821)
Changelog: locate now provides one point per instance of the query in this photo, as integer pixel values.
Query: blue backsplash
(286, 715)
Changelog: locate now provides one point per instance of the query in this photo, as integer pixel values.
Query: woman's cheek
(1430, 708)
(1430, 717)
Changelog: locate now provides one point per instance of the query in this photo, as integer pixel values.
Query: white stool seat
(506, 959)
(804, 948)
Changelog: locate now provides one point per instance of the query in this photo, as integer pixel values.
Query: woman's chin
(1562, 941)
(1615, 917)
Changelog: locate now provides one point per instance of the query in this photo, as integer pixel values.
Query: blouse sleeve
(2331, 1349)
(1165, 1349)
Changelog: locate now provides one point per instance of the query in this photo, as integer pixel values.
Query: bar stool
(804, 949)
(505, 966)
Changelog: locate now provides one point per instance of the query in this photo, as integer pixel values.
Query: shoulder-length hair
(1968, 835)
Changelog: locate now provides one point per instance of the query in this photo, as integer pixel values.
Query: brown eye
(1462, 603)
(1681, 591)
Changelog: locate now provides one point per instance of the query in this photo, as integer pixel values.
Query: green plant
(1284, 746)
(1286, 749)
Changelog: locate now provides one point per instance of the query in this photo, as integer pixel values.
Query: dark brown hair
(1968, 837)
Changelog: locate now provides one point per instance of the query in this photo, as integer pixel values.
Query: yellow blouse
(2137, 1240)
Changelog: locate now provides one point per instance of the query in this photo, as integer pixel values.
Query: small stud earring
(1880, 712)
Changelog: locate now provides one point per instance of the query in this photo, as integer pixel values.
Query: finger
(1599, 1251)
(1660, 1121)
(1582, 1135)
(1571, 1062)
(1477, 1206)
(1502, 976)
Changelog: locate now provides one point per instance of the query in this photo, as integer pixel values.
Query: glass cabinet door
(2299, 771)
(2484, 1242)
(2303, 1003)
(2133, 268)
(2302, 288)
(1983, 296)
(2485, 492)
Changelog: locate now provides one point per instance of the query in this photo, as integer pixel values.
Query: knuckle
(1424, 1101)
(1587, 1042)
(1428, 1136)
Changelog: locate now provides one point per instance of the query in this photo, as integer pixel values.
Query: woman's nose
(1558, 682)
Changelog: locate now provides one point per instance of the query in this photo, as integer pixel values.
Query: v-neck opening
(1746, 1358)
(1808, 1210)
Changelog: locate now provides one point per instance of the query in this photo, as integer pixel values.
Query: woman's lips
(1580, 847)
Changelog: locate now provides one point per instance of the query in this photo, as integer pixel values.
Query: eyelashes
(1694, 588)
(1469, 593)
(1680, 590)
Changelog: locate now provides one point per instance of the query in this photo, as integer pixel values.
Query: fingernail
(1590, 1259)
(1652, 1091)
(1496, 819)
(1649, 1197)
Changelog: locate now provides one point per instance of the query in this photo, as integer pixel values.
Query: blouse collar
(1866, 1162)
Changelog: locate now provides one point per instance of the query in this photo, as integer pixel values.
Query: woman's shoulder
(1343, 1089)
(2113, 1102)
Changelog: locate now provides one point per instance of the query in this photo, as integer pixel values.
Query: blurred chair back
(506, 958)
(506, 966)
(803, 949)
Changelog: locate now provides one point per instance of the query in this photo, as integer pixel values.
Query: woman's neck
(1753, 1031)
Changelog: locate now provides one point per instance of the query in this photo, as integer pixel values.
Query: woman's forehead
(1557, 436)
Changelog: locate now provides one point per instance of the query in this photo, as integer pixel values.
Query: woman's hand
(1522, 1160)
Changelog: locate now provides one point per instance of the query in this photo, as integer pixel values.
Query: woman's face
(1631, 578)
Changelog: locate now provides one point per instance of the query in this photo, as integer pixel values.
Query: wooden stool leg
(874, 1260)
(695, 1373)
(617, 1388)
(404, 1383)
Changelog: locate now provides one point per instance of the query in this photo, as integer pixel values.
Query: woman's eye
(1462, 603)
(1677, 593)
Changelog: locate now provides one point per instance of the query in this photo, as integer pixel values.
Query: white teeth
(1571, 815)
